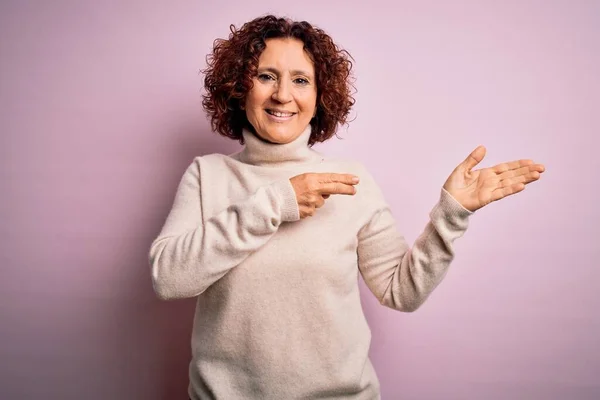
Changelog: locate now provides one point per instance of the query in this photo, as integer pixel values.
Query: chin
(281, 137)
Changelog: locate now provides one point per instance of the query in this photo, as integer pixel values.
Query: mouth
(280, 115)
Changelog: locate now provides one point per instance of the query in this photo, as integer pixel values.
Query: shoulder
(211, 159)
(202, 167)
(205, 162)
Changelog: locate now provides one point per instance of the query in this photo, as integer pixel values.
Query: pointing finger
(347, 179)
(336, 188)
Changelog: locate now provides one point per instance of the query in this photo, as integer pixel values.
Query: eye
(265, 77)
(301, 81)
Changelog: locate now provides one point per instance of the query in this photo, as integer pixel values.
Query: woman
(271, 239)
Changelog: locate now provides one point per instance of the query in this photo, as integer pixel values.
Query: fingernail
(355, 179)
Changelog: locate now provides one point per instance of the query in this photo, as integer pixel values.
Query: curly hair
(234, 63)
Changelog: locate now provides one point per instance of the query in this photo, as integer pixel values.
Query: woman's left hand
(475, 189)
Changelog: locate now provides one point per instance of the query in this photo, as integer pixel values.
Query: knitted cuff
(289, 205)
(452, 206)
(450, 210)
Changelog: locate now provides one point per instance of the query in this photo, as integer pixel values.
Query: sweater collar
(261, 153)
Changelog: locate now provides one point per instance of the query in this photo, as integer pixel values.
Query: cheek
(257, 97)
(253, 107)
(308, 101)
(308, 106)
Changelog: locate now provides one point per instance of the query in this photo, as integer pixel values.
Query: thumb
(474, 158)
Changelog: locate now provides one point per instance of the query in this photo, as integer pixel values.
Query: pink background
(100, 114)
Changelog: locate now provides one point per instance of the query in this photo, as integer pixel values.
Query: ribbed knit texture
(278, 313)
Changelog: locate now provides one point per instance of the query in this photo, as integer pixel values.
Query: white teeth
(279, 114)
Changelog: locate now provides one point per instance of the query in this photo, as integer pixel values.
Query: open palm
(476, 189)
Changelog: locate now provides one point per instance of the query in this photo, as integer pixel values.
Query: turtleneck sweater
(278, 311)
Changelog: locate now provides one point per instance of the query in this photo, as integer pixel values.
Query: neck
(262, 153)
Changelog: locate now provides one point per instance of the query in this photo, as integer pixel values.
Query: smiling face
(283, 99)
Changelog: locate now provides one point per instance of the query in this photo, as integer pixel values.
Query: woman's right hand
(312, 189)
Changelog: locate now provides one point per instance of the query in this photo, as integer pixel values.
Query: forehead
(285, 54)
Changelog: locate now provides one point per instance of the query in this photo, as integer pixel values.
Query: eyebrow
(294, 72)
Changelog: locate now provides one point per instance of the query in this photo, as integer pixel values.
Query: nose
(282, 92)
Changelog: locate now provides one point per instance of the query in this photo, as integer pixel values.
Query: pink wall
(100, 114)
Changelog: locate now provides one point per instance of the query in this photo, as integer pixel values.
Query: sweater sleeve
(190, 254)
(403, 277)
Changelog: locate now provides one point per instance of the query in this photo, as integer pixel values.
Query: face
(283, 99)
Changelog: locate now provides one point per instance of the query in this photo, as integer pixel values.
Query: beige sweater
(278, 313)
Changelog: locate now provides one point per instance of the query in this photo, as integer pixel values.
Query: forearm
(403, 277)
(186, 260)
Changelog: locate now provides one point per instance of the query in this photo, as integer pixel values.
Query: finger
(503, 192)
(307, 212)
(319, 201)
(335, 188)
(523, 177)
(529, 170)
(475, 157)
(513, 165)
(347, 179)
